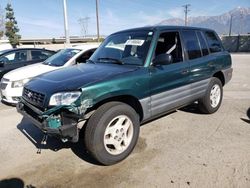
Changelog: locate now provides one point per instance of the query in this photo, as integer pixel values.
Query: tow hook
(43, 142)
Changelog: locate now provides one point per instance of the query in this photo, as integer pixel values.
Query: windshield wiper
(116, 61)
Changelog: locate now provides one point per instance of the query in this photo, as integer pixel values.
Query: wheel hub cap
(215, 96)
(118, 135)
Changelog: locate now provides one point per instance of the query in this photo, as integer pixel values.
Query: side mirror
(163, 59)
(1, 64)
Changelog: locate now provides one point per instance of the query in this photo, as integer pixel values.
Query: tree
(11, 28)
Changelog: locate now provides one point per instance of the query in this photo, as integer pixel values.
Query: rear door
(197, 53)
(38, 56)
(169, 84)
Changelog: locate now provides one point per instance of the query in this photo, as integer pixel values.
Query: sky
(44, 18)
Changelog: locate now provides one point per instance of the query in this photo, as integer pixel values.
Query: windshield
(61, 57)
(127, 48)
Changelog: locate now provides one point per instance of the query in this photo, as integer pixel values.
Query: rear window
(213, 42)
(191, 44)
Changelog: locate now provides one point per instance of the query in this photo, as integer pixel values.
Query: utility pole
(230, 26)
(186, 10)
(97, 21)
(66, 29)
(84, 25)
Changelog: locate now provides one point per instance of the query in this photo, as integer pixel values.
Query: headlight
(64, 98)
(19, 83)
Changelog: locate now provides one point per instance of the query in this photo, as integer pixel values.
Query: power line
(186, 10)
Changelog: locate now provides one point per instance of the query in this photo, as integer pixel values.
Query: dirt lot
(183, 149)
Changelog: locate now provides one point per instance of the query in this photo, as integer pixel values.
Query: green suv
(135, 76)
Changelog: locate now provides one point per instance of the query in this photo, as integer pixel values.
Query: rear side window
(203, 44)
(213, 42)
(191, 44)
(40, 55)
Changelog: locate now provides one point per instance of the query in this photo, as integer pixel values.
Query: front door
(13, 60)
(169, 83)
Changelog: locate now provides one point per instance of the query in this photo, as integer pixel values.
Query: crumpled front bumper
(59, 122)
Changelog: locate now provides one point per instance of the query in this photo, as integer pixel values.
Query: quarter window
(213, 42)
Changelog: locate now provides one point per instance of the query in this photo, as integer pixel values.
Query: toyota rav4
(135, 76)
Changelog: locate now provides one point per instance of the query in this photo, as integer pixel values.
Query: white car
(12, 83)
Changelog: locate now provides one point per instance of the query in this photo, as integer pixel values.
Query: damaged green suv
(135, 76)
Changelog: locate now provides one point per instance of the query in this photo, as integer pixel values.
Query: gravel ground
(182, 149)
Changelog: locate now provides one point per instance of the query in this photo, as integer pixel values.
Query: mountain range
(220, 23)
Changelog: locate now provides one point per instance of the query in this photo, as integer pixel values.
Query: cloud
(34, 27)
(41, 23)
(177, 12)
(151, 19)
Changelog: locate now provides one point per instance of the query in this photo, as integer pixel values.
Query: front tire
(112, 132)
(211, 102)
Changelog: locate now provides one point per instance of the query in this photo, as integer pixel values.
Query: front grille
(3, 86)
(33, 97)
(32, 113)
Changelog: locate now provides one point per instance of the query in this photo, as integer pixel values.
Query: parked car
(12, 82)
(19, 57)
(135, 76)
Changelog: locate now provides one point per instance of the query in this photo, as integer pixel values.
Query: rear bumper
(228, 73)
(63, 125)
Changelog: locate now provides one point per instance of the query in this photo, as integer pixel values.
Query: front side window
(170, 43)
(191, 44)
(61, 57)
(127, 48)
(85, 56)
(213, 42)
(14, 57)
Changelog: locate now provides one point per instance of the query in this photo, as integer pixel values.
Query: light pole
(97, 21)
(66, 28)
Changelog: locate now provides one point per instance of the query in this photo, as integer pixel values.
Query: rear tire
(211, 101)
(112, 132)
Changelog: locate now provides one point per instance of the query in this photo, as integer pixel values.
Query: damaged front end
(63, 121)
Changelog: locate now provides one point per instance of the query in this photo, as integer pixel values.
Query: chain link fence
(239, 43)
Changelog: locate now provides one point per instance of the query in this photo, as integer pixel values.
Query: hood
(29, 71)
(75, 77)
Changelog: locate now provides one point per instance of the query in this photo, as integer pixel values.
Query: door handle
(184, 71)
